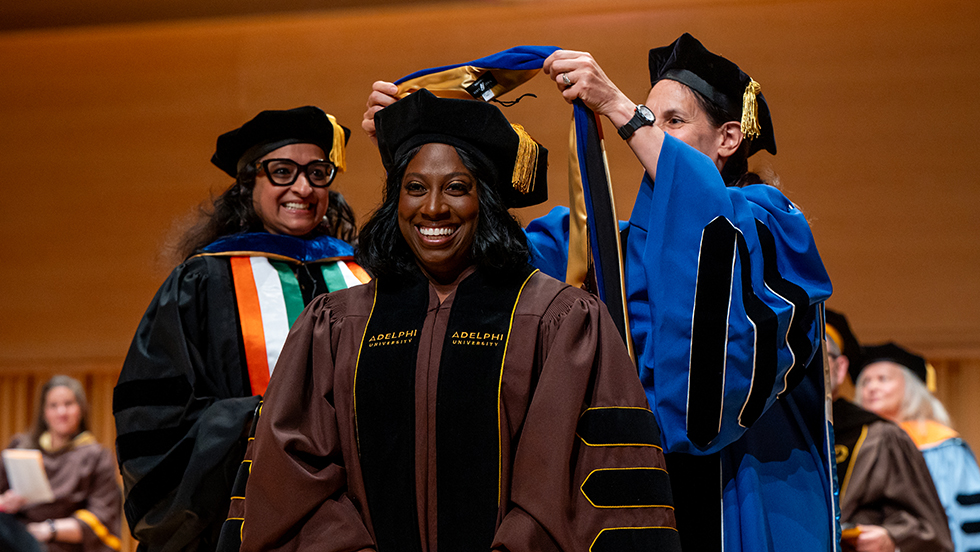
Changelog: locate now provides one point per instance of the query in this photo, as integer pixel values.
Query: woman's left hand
(579, 77)
(382, 95)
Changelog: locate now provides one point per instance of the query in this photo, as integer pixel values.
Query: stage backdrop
(106, 133)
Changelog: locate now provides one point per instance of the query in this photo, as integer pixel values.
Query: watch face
(645, 113)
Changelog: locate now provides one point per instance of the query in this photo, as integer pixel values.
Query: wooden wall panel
(958, 386)
(107, 132)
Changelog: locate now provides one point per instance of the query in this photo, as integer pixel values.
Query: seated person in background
(462, 400)
(887, 499)
(85, 514)
(892, 383)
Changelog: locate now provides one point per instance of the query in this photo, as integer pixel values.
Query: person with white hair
(893, 384)
(887, 499)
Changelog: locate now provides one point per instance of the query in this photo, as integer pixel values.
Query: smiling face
(62, 413)
(882, 388)
(679, 114)
(438, 210)
(293, 210)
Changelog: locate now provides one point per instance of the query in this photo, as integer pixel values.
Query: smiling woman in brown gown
(462, 400)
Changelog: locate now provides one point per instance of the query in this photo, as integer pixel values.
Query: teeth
(302, 206)
(441, 231)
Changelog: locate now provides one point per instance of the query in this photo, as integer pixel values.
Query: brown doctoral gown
(554, 449)
(83, 481)
(885, 481)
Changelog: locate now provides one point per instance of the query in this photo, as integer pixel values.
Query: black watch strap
(642, 116)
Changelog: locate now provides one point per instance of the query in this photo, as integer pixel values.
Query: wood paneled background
(106, 134)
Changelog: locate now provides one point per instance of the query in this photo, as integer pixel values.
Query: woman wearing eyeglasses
(204, 350)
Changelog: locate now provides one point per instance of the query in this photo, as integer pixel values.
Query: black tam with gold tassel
(520, 163)
(719, 80)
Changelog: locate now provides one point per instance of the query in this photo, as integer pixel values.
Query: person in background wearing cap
(892, 382)
(462, 400)
(204, 350)
(887, 499)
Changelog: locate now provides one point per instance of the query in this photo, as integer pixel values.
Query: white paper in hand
(25, 473)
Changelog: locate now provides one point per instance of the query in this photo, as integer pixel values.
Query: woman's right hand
(11, 502)
(382, 95)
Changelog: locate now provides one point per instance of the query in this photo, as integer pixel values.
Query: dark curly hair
(499, 244)
(233, 212)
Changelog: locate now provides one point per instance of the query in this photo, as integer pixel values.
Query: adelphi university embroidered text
(392, 338)
(480, 339)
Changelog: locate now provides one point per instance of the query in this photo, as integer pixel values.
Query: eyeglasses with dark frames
(284, 172)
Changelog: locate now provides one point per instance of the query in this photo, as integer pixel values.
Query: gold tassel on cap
(526, 163)
(930, 378)
(338, 153)
(750, 111)
(835, 336)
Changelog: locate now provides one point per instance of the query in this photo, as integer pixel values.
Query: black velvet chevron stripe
(799, 341)
(628, 539)
(709, 330)
(720, 243)
(172, 391)
(618, 426)
(159, 482)
(241, 479)
(968, 500)
(150, 442)
(766, 340)
(971, 527)
(626, 488)
(230, 539)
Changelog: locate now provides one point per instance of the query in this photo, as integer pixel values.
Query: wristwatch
(641, 117)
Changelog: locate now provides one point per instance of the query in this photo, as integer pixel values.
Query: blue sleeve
(547, 237)
(722, 286)
(957, 477)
